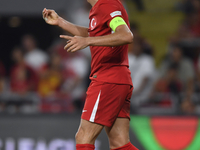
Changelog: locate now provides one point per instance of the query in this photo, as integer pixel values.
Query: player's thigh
(104, 103)
(88, 132)
(118, 134)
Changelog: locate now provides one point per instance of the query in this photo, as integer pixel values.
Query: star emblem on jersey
(93, 23)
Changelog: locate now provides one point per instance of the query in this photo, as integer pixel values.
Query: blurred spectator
(81, 15)
(199, 63)
(2, 86)
(147, 48)
(19, 83)
(181, 34)
(170, 82)
(167, 89)
(194, 24)
(76, 68)
(185, 68)
(23, 78)
(54, 98)
(142, 71)
(2, 69)
(34, 57)
(58, 48)
(23, 81)
(51, 77)
(187, 106)
(197, 81)
(62, 82)
(189, 28)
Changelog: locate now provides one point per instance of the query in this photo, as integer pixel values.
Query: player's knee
(114, 142)
(82, 137)
(78, 135)
(85, 136)
(117, 140)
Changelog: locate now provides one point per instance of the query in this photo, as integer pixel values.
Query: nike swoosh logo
(84, 110)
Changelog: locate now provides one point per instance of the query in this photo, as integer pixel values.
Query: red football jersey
(109, 64)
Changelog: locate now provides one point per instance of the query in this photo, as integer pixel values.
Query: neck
(92, 2)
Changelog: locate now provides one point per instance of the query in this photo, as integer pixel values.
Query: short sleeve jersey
(109, 64)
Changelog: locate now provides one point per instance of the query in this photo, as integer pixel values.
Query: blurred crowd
(176, 82)
(55, 81)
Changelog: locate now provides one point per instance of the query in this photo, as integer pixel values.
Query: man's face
(177, 54)
(17, 55)
(28, 42)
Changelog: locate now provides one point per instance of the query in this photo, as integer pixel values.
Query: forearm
(72, 28)
(122, 36)
(115, 39)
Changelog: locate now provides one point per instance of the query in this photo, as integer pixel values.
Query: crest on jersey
(93, 23)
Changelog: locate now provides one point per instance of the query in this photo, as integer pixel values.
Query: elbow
(129, 37)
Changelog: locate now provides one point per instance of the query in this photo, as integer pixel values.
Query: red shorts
(107, 101)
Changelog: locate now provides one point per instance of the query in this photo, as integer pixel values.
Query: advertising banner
(42, 132)
(57, 132)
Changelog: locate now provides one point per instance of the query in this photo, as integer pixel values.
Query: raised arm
(122, 36)
(52, 18)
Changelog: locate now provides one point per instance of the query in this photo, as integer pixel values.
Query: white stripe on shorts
(92, 117)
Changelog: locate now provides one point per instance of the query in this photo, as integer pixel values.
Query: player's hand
(75, 43)
(50, 16)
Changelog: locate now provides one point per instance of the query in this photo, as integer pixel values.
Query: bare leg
(118, 134)
(88, 132)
